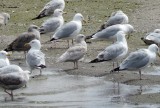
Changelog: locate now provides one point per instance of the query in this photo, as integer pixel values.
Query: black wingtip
(42, 66)
(53, 39)
(114, 70)
(7, 50)
(95, 61)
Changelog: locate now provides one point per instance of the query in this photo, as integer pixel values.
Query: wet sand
(91, 85)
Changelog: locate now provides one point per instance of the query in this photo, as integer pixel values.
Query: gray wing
(35, 58)
(135, 60)
(117, 19)
(111, 52)
(50, 26)
(66, 31)
(107, 32)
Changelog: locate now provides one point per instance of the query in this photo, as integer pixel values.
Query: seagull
(118, 17)
(50, 7)
(114, 52)
(110, 32)
(76, 52)
(4, 61)
(52, 24)
(12, 77)
(70, 29)
(35, 58)
(4, 18)
(19, 43)
(152, 38)
(139, 59)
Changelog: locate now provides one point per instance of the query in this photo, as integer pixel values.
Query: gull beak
(64, 12)
(158, 53)
(9, 54)
(84, 21)
(26, 44)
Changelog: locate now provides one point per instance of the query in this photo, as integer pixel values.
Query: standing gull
(35, 58)
(76, 52)
(139, 59)
(52, 24)
(114, 52)
(19, 43)
(152, 38)
(70, 29)
(4, 61)
(50, 7)
(4, 18)
(110, 32)
(12, 77)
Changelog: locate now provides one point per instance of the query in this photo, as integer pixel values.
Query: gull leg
(40, 72)
(68, 43)
(140, 75)
(117, 65)
(72, 42)
(10, 94)
(76, 64)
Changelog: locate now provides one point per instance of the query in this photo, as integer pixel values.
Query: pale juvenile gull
(110, 32)
(152, 37)
(76, 52)
(50, 7)
(35, 57)
(114, 52)
(4, 18)
(70, 29)
(52, 24)
(139, 59)
(19, 43)
(12, 77)
(4, 61)
(117, 17)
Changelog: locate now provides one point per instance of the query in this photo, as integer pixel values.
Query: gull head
(33, 27)
(35, 44)
(80, 38)
(58, 12)
(3, 54)
(154, 48)
(6, 16)
(156, 31)
(78, 17)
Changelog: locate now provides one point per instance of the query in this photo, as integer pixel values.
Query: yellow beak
(26, 45)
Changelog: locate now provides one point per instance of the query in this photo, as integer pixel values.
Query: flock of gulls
(114, 29)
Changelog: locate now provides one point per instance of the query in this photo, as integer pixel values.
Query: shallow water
(70, 91)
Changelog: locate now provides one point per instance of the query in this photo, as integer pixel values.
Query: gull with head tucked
(139, 59)
(35, 58)
(76, 52)
(117, 17)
